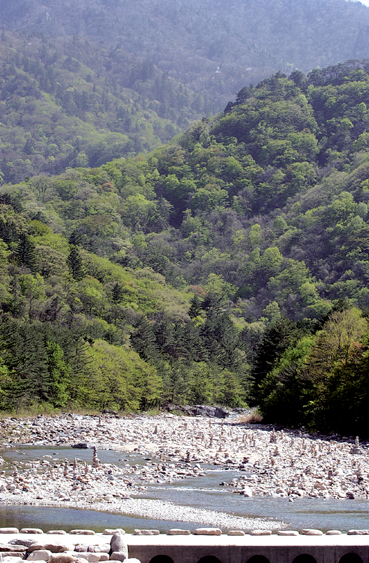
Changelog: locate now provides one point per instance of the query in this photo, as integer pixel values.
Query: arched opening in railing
(161, 559)
(351, 558)
(258, 559)
(209, 559)
(304, 558)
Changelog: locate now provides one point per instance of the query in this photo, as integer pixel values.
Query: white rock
(39, 555)
(208, 532)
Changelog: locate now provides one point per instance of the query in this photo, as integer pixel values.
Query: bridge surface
(227, 549)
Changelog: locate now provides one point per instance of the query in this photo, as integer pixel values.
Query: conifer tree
(75, 264)
(26, 252)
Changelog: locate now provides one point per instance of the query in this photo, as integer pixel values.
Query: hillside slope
(212, 46)
(67, 103)
(257, 218)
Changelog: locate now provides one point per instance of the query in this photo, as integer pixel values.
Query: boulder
(58, 547)
(358, 533)
(312, 532)
(111, 532)
(179, 532)
(146, 532)
(334, 533)
(39, 555)
(82, 532)
(287, 533)
(31, 531)
(62, 558)
(221, 413)
(12, 559)
(104, 548)
(81, 547)
(118, 556)
(247, 492)
(208, 532)
(25, 543)
(236, 533)
(7, 547)
(90, 557)
(261, 533)
(9, 531)
(118, 543)
(57, 532)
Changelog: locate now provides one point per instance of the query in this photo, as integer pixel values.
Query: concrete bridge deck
(226, 549)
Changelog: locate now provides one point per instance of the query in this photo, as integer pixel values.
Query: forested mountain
(67, 103)
(255, 225)
(211, 46)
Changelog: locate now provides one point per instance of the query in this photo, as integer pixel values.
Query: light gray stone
(334, 533)
(6, 547)
(36, 546)
(146, 532)
(118, 556)
(311, 532)
(81, 547)
(179, 532)
(61, 558)
(57, 532)
(358, 533)
(91, 557)
(111, 532)
(39, 555)
(236, 533)
(31, 531)
(23, 542)
(287, 533)
(261, 533)
(118, 543)
(82, 532)
(104, 548)
(58, 547)
(208, 532)
(12, 559)
(9, 531)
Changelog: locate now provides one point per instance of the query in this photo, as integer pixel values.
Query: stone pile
(67, 551)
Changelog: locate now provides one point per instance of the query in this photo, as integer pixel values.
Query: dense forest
(212, 46)
(67, 103)
(229, 266)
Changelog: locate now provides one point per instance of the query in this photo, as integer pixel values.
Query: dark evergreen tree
(26, 252)
(75, 264)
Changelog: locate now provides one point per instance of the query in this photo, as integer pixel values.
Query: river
(201, 492)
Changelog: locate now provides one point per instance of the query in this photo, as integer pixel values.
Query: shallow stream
(200, 492)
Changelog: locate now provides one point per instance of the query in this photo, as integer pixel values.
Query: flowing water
(200, 492)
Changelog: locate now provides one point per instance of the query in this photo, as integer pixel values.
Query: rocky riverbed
(271, 464)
